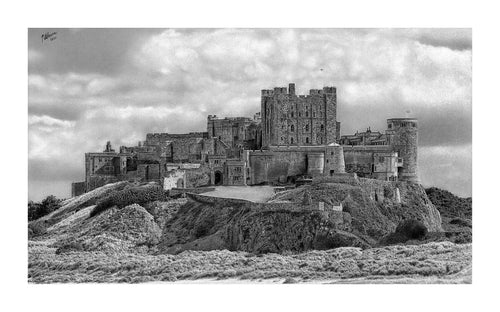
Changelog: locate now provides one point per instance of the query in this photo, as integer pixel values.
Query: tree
(46, 206)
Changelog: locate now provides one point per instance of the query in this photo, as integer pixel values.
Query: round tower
(334, 159)
(403, 139)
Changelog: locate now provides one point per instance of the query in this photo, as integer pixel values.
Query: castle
(293, 136)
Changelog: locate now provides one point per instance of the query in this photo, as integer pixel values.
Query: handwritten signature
(49, 36)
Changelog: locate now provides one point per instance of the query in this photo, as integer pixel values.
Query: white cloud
(34, 56)
(49, 121)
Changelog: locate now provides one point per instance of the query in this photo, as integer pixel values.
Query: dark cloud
(84, 50)
(63, 111)
(446, 125)
(48, 170)
(455, 39)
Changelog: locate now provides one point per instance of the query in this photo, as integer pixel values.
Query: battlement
(166, 136)
(214, 117)
(402, 122)
(291, 91)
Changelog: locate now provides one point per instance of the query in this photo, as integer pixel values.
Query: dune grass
(439, 261)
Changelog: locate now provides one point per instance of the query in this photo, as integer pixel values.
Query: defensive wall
(158, 138)
(281, 162)
(375, 161)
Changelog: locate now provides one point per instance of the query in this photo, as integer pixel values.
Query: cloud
(448, 167)
(49, 122)
(455, 39)
(34, 56)
(88, 50)
(89, 86)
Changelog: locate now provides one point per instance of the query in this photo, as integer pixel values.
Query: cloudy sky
(93, 85)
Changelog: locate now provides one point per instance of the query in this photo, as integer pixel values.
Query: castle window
(291, 140)
(291, 114)
(322, 128)
(307, 114)
(307, 127)
(307, 139)
(314, 114)
(327, 161)
(292, 128)
(300, 114)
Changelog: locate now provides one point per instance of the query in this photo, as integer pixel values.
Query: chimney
(291, 88)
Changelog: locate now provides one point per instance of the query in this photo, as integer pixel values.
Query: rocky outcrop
(372, 209)
(376, 207)
(254, 228)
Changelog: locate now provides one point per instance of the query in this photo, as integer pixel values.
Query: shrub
(46, 206)
(412, 229)
(134, 195)
(406, 230)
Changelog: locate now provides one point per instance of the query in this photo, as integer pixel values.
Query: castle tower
(299, 120)
(334, 159)
(403, 138)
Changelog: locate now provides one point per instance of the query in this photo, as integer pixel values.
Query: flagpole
(322, 77)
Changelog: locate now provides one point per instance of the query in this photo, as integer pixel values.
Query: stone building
(236, 132)
(290, 119)
(293, 136)
(388, 156)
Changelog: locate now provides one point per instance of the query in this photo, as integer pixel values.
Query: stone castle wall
(279, 163)
(162, 138)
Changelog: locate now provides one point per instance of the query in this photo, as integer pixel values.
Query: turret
(403, 139)
(109, 149)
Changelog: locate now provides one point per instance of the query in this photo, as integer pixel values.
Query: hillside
(450, 205)
(213, 238)
(456, 214)
(371, 210)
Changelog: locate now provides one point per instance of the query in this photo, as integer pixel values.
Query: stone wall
(364, 160)
(162, 138)
(179, 191)
(233, 131)
(174, 179)
(198, 177)
(148, 172)
(77, 188)
(279, 163)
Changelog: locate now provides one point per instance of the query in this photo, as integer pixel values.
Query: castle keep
(292, 137)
